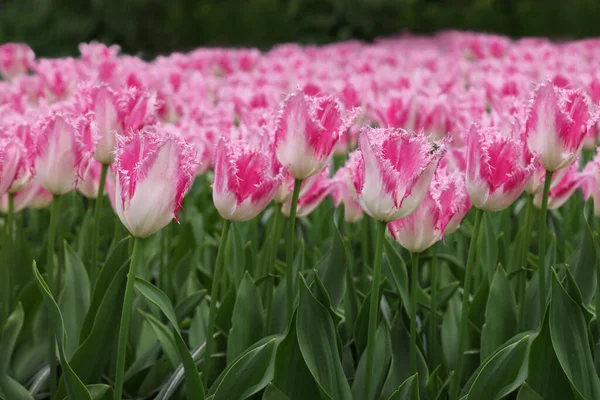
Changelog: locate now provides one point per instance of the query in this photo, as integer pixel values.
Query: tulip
(62, 152)
(15, 60)
(32, 196)
(497, 172)
(314, 195)
(154, 171)
(89, 185)
(562, 191)
(590, 183)
(557, 123)
(344, 191)
(394, 170)
(16, 167)
(243, 183)
(392, 176)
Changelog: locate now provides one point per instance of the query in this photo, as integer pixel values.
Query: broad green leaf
(397, 268)
(500, 374)
(527, 393)
(584, 262)
(101, 392)
(194, 387)
(75, 388)
(500, 315)
(318, 344)
(74, 300)
(117, 257)
(247, 375)
(272, 393)
(570, 342)
(292, 376)
(450, 331)
(488, 246)
(383, 356)
(10, 334)
(545, 374)
(187, 306)
(408, 390)
(332, 267)
(248, 321)
(11, 389)
(164, 337)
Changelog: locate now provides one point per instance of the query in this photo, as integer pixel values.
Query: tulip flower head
(154, 171)
(16, 164)
(557, 123)
(344, 191)
(15, 60)
(590, 183)
(393, 171)
(244, 182)
(441, 212)
(563, 189)
(63, 152)
(307, 130)
(313, 196)
(497, 172)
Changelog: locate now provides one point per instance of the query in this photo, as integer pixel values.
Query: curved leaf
(408, 390)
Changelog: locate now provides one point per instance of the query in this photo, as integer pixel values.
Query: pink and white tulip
(563, 189)
(557, 123)
(440, 213)
(344, 191)
(15, 60)
(63, 151)
(16, 164)
(393, 172)
(154, 171)
(497, 172)
(590, 183)
(315, 194)
(244, 183)
(32, 196)
(307, 130)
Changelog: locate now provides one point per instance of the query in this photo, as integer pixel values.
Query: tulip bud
(496, 169)
(441, 212)
(153, 174)
(557, 123)
(244, 182)
(394, 170)
(62, 152)
(307, 131)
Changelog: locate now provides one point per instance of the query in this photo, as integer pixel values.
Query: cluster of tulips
(406, 135)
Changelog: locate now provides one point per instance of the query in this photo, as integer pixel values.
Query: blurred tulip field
(410, 218)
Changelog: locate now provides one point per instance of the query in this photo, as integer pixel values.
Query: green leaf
(489, 245)
(101, 392)
(450, 331)
(164, 337)
(292, 376)
(187, 306)
(501, 317)
(194, 387)
(409, 390)
(545, 374)
(527, 393)
(248, 375)
(11, 389)
(500, 374)
(248, 321)
(584, 263)
(272, 393)
(397, 267)
(75, 388)
(10, 334)
(318, 344)
(74, 300)
(383, 356)
(570, 342)
(332, 267)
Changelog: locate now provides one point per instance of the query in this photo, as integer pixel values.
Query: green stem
(433, 267)
(374, 306)
(52, 284)
(96, 223)
(8, 247)
(414, 289)
(125, 320)
(542, 246)
(214, 298)
(365, 245)
(289, 275)
(273, 247)
(464, 315)
(522, 279)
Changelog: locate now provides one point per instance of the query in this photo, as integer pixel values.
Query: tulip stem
(522, 280)
(433, 268)
(414, 289)
(365, 245)
(374, 307)
(272, 256)
(125, 319)
(214, 298)
(542, 246)
(8, 244)
(464, 315)
(96, 223)
(289, 275)
(52, 284)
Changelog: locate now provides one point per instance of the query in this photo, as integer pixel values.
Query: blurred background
(150, 27)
